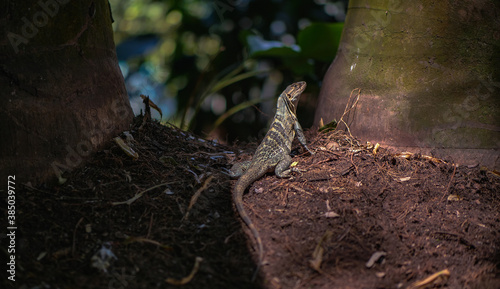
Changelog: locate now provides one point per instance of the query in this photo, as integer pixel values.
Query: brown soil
(423, 214)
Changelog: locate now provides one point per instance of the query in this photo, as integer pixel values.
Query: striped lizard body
(272, 153)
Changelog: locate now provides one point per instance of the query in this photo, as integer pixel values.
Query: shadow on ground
(120, 222)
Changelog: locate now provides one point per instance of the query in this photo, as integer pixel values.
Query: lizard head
(292, 94)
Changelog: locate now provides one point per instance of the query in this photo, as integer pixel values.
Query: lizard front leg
(300, 136)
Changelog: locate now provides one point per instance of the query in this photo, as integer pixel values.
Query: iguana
(272, 153)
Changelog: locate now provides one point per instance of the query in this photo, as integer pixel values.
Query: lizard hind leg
(283, 169)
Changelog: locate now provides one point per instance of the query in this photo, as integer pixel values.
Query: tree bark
(429, 74)
(63, 95)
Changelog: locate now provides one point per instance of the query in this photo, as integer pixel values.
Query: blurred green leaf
(290, 55)
(329, 126)
(237, 108)
(259, 47)
(299, 65)
(228, 81)
(320, 41)
(216, 84)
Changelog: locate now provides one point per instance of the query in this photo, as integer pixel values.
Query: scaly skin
(272, 153)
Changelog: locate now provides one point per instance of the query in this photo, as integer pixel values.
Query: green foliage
(320, 41)
(316, 42)
(237, 108)
(216, 85)
(230, 49)
(328, 127)
(258, 47)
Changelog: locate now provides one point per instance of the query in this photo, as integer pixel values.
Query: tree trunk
(62, 95)
(429, 74)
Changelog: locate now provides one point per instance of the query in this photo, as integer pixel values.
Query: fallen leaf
(331, 214)
(454, 197)
(126, 148)
(374, 258)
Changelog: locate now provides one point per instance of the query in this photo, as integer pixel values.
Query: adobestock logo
(49, 9)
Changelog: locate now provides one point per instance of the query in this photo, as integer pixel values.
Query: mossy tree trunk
(429, 74)
(62, 95)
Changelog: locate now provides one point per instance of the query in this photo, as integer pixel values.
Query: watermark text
(11, 227)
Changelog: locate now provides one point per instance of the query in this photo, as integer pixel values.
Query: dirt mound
(121, 222)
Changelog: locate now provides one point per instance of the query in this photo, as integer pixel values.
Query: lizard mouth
(294, 95)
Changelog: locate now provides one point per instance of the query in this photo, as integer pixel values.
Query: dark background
(177, 51)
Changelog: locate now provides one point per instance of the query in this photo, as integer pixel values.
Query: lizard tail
(238, 201)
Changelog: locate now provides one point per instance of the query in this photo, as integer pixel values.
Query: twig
(188, 278)
(449, 183)
(73, 248)
(437, 278)
(147, 112)
(138, 195)
(352, 162)
(131, 240)
(150, 225)
(347, 109)
(196, 195)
